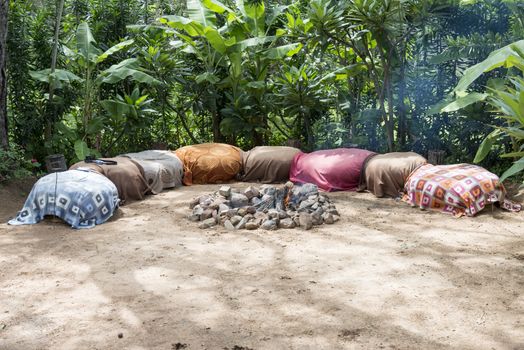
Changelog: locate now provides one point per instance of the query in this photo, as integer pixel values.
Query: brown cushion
(209, 163)
(386, 174)
(267, 164)
(127, 175)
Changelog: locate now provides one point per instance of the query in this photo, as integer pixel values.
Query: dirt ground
(386, 276)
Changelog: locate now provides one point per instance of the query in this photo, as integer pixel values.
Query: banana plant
(87, 58)
(235, 59)
(506, 100)
(129, 113)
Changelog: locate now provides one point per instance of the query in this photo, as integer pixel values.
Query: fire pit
(267, 207)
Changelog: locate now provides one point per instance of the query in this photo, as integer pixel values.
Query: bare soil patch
(386, 276)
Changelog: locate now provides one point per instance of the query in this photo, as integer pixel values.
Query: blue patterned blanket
(82, 198)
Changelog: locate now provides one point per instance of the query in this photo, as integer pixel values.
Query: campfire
(268, 207)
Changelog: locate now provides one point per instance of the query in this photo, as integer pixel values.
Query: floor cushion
(459, 189)
(162, 169)
(82, 198)
(331, 170)
(127, 175)
(209, 163)
(267, 164)
(386, 174)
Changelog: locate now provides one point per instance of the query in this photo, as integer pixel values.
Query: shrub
(14, 164)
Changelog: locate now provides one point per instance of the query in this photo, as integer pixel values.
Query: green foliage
(506, 57)
(14, 165)
(507, 101)
(132, 75)
(236, 59)
(87, 59)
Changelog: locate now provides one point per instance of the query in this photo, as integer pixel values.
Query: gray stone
(242, 211)
(193, 217)
(251, 210)
(232, 212)
(272, 213)
(235, 220)
(229, 225)
(258, 221)
(206, 214)
(259, 215)
(205, 201)
(328, 218)
(321, 199)
(304, 191)
(280, 196)
(306, 221)
(315, 206)
(216, 203)
(306, 204)
(286, 223)
(269, 225)
(316, 218)
(198, 210)
(296, 220)
(252, 225)
(222, 219)
(251, 192)
(267, 201)
(255, 201)
(320, 210)
(282, 214)
(222, 208)
(312, 197)
(289, 184)
(333, 211)
(207, 223)
(225, 191)
(194, 202)
(336, 218)
(242, 224)
(203, 198)
(268, 189)
(238, 200)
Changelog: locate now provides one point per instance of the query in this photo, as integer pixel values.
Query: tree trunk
(309, 132)
(217, 135)
(402, 119)
(4, 7)
(436, 157)
(390, 123)
(216, 118)
(51, 105)
(386, 93)
(258, 139)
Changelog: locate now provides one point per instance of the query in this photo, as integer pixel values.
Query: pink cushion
(331, 170)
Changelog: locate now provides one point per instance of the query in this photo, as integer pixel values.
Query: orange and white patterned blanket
(459, 189)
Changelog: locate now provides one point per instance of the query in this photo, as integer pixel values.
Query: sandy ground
(386, 277)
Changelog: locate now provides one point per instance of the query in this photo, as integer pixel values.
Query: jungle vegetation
(93, 77)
